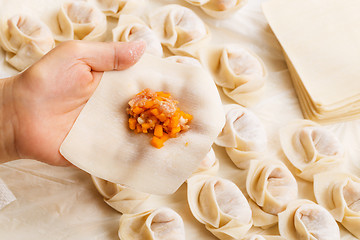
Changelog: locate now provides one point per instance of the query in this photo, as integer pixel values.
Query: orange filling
(157, 113)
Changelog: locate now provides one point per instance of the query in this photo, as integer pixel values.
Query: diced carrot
(132, 123)
(157, 142)
(155, 111)
(175, 130)
(188, 116)
(149, 104)
(162, 117)
(162, 94)
(158, 132)
(138, 128)
(145, 126)
(174, 122)
(137, 110)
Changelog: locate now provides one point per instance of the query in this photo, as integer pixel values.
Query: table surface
(62, 203)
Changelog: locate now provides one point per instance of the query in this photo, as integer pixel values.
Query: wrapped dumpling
(81, 21)
(184, 60)
(209, 165)
(271, 186)
(102, 129)
(179, 29)
(304, 219)
(220, 205)
(114, 8)
(243, 135)
(339, 193)
(219, 8)
(159, 224)
(311, 148)
(119, 197)
(131, 28)
(239, 72)
(25, 39)
(263, 237)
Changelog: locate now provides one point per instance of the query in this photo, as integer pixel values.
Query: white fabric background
(62, 203)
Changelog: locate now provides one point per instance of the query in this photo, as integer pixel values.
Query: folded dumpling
(339, 193)
(209, 165)
(239, 72)
(243, 135)
(102, 129)
(271, 186)
(159, 224)
(131, 28)
(263, 237)
(179, 29)
(114, 8)
(304, 219)
(220, 205)
(119, 197)
(81, 21)
(311, 148)
(219, 8)
(25, 39)
(184, 60)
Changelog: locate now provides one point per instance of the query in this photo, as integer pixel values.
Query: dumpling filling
(157, 113)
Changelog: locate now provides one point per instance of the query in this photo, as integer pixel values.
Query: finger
(106, 56)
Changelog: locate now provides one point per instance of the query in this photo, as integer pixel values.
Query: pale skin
(39, 106)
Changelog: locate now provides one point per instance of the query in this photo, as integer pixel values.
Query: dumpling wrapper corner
(101, 143)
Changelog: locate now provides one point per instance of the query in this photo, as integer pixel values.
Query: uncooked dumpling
(119, 197)
(102, 129)
(304, 219)
(160, 224)
(219, 8)
(271, 186)
(263, 237)
(25, 39)
(131, 28)
(184, 60)
(339, 193)
(239, 72)
(82, 21)
(311, 148)
(220, 205)
(243, 135)
(209, 165)
(115, 8)
(179, 29)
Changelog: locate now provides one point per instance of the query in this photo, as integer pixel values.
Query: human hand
(47, 98)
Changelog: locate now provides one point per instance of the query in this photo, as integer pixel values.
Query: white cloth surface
(62, 203)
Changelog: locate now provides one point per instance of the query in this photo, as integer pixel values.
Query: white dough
(243, 135)
(304, 219)
(82, 21)
(101, 143)
(271, 186)
(179, 29)
(220, 205)
(311, 148)
(160, 224)
(25, 39)
(131, 28)
(114, 8)
(339, 193)
(239, 72)
(209, 165)
(119, 197)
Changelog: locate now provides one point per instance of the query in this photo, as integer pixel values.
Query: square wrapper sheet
(102, 144)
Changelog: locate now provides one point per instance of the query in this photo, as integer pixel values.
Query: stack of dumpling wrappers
(321, 44)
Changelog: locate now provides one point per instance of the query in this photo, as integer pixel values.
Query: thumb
(106, 56)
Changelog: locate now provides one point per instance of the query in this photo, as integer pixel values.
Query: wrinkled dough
(159, 224)
(25, 39)
(179, 28)
(114, 8)
(218, 8)
(317, 222)
(131, 28)
(352, 195)
(82, 21)
(220, 205)
(304, 219)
